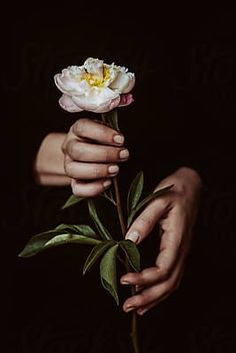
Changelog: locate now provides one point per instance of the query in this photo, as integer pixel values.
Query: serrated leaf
(148, 199)
(96, 253)
(135, 192)
(70, 238)
(82, 229)
(112, 119)
(72, 200)
(132, 253)
(108, 272)
(100, 227)
(37, 242)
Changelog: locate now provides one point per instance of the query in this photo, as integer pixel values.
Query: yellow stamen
(94, 80)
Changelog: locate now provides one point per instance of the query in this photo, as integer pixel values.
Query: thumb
(146, 221)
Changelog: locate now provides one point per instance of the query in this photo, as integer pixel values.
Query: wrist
(49, 162)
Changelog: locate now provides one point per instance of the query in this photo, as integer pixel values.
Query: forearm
(49, 162)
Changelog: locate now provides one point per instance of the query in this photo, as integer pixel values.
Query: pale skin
(87, 158)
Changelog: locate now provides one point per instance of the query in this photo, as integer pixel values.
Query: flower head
(94, 86)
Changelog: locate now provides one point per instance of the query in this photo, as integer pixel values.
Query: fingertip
(119, 139)
(106, 183)
(128, 307)
(134, 236)
(124, 281)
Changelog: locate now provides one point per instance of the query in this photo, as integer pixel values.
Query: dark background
(183, 114)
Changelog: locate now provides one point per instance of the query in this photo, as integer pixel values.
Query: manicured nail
(107, 183)
(119, 139)
(113, 169)
(129, 308)
(133, 236)
(124, 154)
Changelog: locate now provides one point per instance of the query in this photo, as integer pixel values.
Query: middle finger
(87, 152)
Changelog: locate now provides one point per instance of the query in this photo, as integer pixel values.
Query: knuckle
(97, 173)
(64, 146)
(162, 202)
(107, 155)
(164, 273)
(75, 150)
(79, 126)
(69, 169)
(141, 279)
(70, 148)
(76, 190)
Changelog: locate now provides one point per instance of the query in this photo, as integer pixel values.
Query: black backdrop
(184, 111)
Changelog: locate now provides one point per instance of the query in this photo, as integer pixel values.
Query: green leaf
(148, 199)
(81, 229)
(112, 118)
(109, 196)
(37, 242)
(70, 238)
(108, 272)
(135, 192)
(72, 200)
(97, 252)
(132, 253)
(100, 227)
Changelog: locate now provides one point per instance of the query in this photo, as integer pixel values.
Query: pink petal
(126, 99)
(67, 104)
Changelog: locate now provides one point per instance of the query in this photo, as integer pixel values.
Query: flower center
(95, 80)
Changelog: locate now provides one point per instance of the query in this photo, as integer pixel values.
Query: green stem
(119, 206)
(134, 329)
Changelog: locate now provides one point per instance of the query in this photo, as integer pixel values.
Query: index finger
(98, 132)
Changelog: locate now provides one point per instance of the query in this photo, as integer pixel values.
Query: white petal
(108, 106)
(70, 86)
(131, 83)
(124, 82)
(113, 72)
(98, 100)
(94, 67)
(67, 104)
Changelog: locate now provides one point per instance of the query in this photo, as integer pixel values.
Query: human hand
(175, 212)
(91, 153)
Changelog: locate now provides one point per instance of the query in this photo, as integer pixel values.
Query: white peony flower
(94, 86)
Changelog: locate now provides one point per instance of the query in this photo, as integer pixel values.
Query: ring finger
(88, 171)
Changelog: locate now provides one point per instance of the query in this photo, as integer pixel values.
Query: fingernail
(133, 236)
(107, 183)
(113, 169)
(124, 154)
(142, 311)
(123, 281)
(129, 308)
(119, 139)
